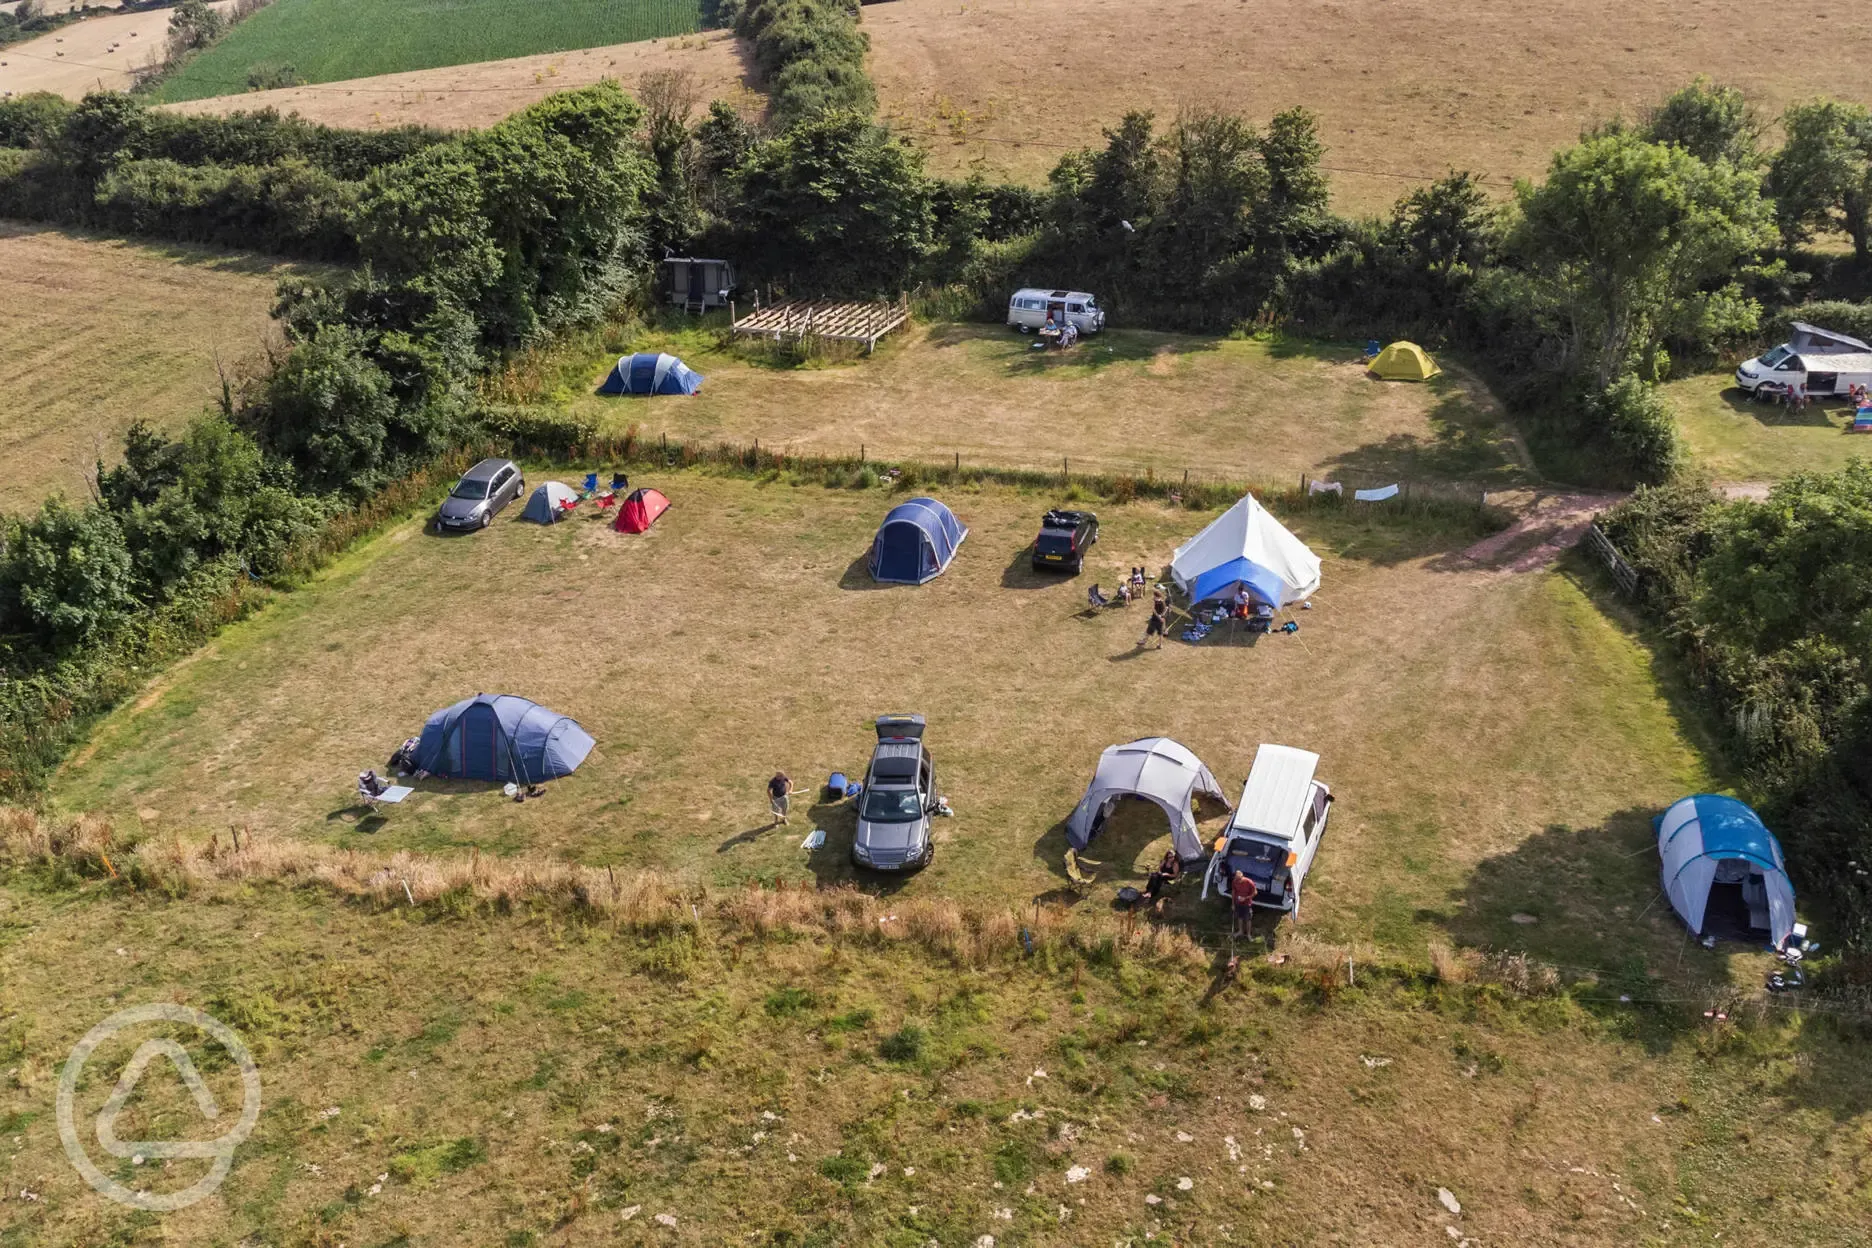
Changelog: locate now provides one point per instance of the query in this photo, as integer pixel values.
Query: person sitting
(1137, 580)
(1051, 326)
(1169, 869)
(1095, 598)
(1244, 602)
(1124, 593)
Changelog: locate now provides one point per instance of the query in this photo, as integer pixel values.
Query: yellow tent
(1404, 361)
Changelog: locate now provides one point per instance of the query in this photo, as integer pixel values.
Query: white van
(1276, 828)
(1028, 310)
(1816, 375)
(1820, 361)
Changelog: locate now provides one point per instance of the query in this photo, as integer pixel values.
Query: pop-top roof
(1275, 797)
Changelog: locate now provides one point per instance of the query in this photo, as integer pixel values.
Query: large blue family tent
(916, 542)
(650, 373)
(496, 736)
(1723, 870)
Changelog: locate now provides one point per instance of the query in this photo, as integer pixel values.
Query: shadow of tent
(858, 576)
(1126, 848)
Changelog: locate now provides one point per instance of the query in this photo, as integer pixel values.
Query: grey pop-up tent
(1158, 770)
(496, 736)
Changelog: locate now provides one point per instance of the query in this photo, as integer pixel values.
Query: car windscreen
(471, 489)
(1775, 356)
(1054, 542)
(891, 806)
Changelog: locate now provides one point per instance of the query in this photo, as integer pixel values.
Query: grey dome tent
(1712, 846)
(1156, 769)
(496, 736)
(548, 502)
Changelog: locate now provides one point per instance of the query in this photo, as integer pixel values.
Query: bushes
(1771, 606)
(1637, 426)
(811, 55)
(290, 208)
(65, 574)
(33, 119)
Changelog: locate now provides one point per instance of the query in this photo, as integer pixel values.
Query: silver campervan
(1029, 309)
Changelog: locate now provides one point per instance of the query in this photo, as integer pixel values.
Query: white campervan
(1276, 829)
(1028, 310)
(1821, 362)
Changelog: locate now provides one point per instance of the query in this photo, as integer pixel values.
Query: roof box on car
(900, 727)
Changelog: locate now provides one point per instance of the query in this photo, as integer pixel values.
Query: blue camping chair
(1372, 348)
(591, 484)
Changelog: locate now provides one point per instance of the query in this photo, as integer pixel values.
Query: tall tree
(1822, 176)
(1709, 121)
(1638, 241)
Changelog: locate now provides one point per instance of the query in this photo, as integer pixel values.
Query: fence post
(1065, 470)
(958, 466)
(861, 453)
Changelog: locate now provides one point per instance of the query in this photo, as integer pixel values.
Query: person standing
(1242, 892)
(780, 796)
(1159, 621)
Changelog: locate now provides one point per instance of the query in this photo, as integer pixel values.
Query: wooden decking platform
(827, 318)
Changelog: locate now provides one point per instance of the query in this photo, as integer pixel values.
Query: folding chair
(389, 797)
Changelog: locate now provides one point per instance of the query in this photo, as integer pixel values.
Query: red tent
(640, 511)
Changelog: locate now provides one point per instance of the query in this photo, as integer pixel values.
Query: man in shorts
(1159, 620)
(1242, 892)
(780, 796)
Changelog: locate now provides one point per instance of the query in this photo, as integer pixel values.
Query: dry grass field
(96, 333)
(1403, 87)
(1406, 89)
(96, 54)
(1124, 401)
(465, 96)
(441, 1076)
(1489, 734)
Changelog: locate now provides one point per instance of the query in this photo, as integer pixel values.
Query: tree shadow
(1777, 415)
(1467, 443)
(1022, 355)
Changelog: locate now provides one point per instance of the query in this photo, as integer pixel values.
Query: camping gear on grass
(1379, 495)
(651, 373)
(548, 502)
(915, 543)
(1245, 546)
(496, 736)
(1404, 361)
(641, 510)
(1723, 868)
(1156, 769)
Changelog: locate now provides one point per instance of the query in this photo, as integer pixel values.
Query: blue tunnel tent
(1723, 870)
(496, 736)
(650, 373)
(916, 542)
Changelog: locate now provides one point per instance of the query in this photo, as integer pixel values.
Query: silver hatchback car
(483, 490)
(898, 800)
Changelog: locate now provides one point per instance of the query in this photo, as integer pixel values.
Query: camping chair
(1079, 879)
(619, 482)
(591, 484)
(391, 795)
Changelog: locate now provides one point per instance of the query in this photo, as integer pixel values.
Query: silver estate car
(483, 490)
(898, 800)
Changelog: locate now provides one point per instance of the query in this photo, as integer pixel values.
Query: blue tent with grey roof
(497, 736)
(916, 542)
(1723, 870)
(650, 372)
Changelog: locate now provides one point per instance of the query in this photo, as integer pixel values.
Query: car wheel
(487, 518)
(1078, 566)
(1025, 329)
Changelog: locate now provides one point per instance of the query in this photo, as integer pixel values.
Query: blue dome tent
(916, 542)
(496, 736)
(650, 373)
(1716, 851)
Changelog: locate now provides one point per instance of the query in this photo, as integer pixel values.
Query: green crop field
(333, 40)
